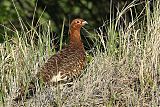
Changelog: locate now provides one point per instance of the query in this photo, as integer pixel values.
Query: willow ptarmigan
(63, 66)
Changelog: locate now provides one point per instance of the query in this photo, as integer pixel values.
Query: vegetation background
(39, 12)
(122, 43)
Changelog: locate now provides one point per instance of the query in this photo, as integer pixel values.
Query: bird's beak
(84, 22)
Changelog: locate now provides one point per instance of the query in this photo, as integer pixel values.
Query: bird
(63, 66)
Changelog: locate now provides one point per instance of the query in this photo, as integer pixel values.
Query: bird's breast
(70, 66)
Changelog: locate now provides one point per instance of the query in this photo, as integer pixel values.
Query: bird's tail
(26, 92)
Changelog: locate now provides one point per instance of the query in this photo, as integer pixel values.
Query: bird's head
(75, 38)
(78, 23)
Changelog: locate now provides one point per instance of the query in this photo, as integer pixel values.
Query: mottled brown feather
(66, 64)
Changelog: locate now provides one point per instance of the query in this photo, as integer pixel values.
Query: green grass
(125, 74)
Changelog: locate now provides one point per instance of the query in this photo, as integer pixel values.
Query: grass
(125, 74)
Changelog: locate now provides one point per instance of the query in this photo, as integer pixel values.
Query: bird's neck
(75, 38)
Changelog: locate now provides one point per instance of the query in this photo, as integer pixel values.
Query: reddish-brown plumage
(66, 64)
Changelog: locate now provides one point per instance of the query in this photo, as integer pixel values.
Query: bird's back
(63, 66)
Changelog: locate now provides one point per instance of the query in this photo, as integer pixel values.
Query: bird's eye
(78, 21)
